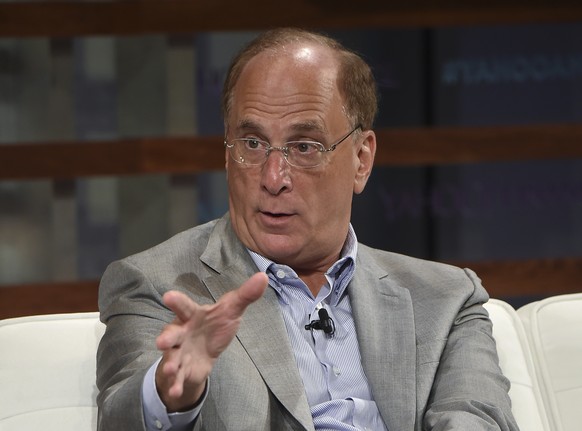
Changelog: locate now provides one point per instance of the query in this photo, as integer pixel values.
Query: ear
(365, 160)
(226, 156)
(226, 153)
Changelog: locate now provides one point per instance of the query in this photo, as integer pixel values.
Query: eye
(304, 147)
(252, 144)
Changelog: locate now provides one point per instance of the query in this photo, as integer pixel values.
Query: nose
(275, 176)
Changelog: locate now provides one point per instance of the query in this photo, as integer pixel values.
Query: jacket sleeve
(469, 391)
(132, 309)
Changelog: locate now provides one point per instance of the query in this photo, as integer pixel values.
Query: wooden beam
(536, 277)
(130, 17)
(66, 160)
(449, 145)
(502, 279)
(48, 298)
(414, 146)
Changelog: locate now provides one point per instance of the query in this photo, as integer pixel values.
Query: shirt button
(280, 274)
(336, 371)
(158, 424)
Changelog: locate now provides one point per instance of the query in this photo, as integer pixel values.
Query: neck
(314, 280)
(314, 276)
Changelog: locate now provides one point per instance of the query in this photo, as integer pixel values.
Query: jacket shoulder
(400, 264)
(190, 242)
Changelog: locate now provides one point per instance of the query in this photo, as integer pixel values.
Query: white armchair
(516, 362)
(47, 372)
(554, 328)
(47, 366)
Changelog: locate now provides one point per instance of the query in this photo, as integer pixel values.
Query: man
(221, 328)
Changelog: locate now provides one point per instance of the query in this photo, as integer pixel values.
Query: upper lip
(275, 213)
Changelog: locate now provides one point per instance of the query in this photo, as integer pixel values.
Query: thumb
(249, 291)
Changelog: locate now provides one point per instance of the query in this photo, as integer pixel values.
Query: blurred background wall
(66, 89)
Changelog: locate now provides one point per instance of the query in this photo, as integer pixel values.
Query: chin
(278, 248)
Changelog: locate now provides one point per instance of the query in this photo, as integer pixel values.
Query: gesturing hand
(192, 343)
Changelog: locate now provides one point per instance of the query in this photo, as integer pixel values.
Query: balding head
(355, 81)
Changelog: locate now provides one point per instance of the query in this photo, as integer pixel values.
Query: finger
(169, 374)
(254, 288)
(171, 336)
(180, 304)
(170, 364)
(247, 293)
(176, 375)
(177, 389)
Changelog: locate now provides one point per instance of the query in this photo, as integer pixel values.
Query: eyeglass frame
(285, 149)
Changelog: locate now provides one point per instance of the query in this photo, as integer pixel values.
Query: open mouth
(276, 215)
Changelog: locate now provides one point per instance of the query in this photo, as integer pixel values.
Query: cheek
(241, 183)
(333, 192)
(234, 180)
(341, 182)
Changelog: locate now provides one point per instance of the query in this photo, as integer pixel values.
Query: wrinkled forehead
(296, 82)
(296, 69)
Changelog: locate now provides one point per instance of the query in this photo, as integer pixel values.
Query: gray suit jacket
(425, 340)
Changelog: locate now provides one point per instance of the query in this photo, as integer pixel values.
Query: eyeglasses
(301, 154)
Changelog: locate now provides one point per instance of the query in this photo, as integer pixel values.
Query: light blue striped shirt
(337, 388)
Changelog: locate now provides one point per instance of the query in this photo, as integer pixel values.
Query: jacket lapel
(383, 316)
(384, 322)
(262, 332)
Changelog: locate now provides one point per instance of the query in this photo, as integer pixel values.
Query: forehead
(297, 79)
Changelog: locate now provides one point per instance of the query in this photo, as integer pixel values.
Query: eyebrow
(249, 125)
(306, 126)
(309, 126)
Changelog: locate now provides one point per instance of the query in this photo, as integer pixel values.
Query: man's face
(295, 216)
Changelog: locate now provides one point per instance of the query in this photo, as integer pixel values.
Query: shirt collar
(341, 272)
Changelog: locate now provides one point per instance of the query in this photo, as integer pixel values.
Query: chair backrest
(554, 327)
(516, 362)
(47, 372)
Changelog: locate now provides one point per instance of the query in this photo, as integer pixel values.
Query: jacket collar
(262, 331)
(383, 318)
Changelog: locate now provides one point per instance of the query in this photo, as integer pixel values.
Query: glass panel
(93, 88)
(508, 75)
(99, 88)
